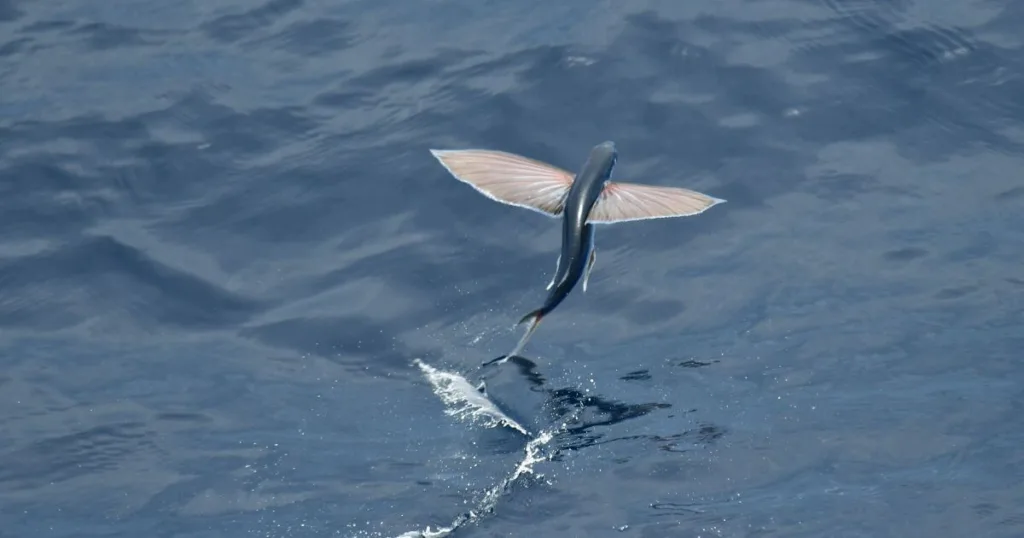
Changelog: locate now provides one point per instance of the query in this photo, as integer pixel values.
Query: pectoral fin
(621, 202)
(509, 178)
(590, 267)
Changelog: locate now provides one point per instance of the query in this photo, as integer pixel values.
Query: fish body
(581, 200)
(577, 253)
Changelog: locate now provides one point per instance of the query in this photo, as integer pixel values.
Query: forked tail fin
(533, 318)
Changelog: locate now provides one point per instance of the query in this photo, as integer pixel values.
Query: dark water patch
(48, 26)
(955, 292)
(411, 72)
(101, 36)
(638, 375)
(835, 187)
(696, 364)
(184, 417)
(92, 134)
(697, 438)
(313, 38)
(101, 270)
(9, 11)
(676, 509)
(238, 26)
(1011, 194)
(905, 254)
(63, 458)
(88, 36)
(15, 46)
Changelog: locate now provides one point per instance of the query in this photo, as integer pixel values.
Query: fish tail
(533, 319)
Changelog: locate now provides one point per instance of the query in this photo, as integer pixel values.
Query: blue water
(223, 243)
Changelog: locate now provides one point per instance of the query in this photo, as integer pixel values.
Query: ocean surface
(239, 297)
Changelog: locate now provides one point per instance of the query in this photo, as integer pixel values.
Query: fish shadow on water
(526, 367)
(580, 413)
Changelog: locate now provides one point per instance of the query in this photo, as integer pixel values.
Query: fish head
(605, 156)
(599, 165)
(597, 171)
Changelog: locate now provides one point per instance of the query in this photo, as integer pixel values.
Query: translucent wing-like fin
(621, 202)
(508, 178)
